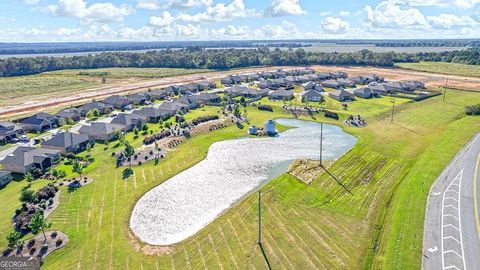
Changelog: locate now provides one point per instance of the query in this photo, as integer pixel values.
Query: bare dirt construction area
(431, 79)
(47, 102)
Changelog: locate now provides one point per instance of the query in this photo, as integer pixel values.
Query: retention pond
(189, 201)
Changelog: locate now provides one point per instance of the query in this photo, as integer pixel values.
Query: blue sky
(156, 20)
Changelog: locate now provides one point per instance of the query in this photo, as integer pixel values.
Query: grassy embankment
(443, 68)
(316, 226)
(24, 88)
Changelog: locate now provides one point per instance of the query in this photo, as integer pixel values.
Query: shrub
(332, 115)
(265, 108)
(58, 242)
(32, 251)
(27, 195)
(472, 110)
(54, 234)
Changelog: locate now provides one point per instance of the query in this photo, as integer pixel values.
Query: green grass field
(69, 81)
(319, 226)
(443, 68)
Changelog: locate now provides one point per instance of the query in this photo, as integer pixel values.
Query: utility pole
(259, 217)
(445, 90)
(321, 143)
(393, 109)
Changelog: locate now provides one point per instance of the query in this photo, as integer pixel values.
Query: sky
(171, 20)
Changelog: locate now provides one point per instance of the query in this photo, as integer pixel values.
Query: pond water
(189, 201)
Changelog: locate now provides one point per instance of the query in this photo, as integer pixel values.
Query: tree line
(198, 57)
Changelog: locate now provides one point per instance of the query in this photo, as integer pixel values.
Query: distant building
(102, 108)
(281, 95)
(129, 121)
(101, 131)
(24, 159)
(67, 142)
(269, 127)
(341, 95)
(9, 131)
(118, 102)
(365, 92)
(153, 115)
(39, 122)
(311, 96)
(69, 113)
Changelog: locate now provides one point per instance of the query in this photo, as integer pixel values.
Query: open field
(443, 68)
(389, 172)
(62, 83)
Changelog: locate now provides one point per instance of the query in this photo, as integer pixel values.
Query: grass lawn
(389, 172)
(69, 81)
(443, 68)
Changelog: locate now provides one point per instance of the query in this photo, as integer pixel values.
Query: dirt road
(46, 102)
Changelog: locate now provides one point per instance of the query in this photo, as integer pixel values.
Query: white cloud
(31, 2)
(325, 13)
(164, 20)
(283, 8)
(344, 13)
(95, 13)
(451, 21)
(284, 30)
(466, 3)
(149, 4)
(333, 25)
(217, 13)
(188, 3)
(392, 14)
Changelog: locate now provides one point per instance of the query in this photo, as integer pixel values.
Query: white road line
(451, 188)
(450, 215)
(451, 198)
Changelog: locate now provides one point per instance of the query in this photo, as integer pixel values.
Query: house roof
(66, 139)
(100, 128)
(68, 113)
(363, 90)
(116, 100)
(311, 93)
(171, 106)
(7, 127)
(94, 105)
(341, 93)
(281, 93)
(127, 119)
(24, 156)
(151, 112)
(138, 97)
(38, 118)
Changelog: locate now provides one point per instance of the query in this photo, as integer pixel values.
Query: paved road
(452, 224)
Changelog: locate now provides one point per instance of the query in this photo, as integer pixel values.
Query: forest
(220, 59)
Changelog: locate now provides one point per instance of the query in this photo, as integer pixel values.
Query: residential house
(101, 131)
(342, 95)
(129, 120)
(70, 113)
(5, 178)
(331, 84)
(205, 85)
(189, 100)
(24, 159)
(68, 142)
(372, 78)
(281, 95)
(365, 92)
(9, 131)
(227, 80)
(338, 75)
(413, 85)
(160, 94)
(118, 102)
(207, 98)
(358, 80)
(324, 76)
(39, 122)
(139, 98)
(174, 89)
(152, 114)
(253, 77)
(102, 108)
(381, 88)
(346, 82)
(308, 85)
(172, 107)
(270, 84)
(311, 96)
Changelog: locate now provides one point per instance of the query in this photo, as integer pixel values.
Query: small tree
(236, 110)
(77, 167)
(121, 138)
(29, 177)
(88, 148)
(129, 152)
(39, 224)
(15, 240)
(62, 122)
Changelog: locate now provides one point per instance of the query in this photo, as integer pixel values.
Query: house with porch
(311, 96)
(101, 131)
(39, 122)
(102, 108)
(118, 102)
(342, 95)
(70, 113)
(68, 142)
(281, 94)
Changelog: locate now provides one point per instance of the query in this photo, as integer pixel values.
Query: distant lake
(316, 47)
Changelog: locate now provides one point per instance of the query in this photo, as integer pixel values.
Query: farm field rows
(443, 68)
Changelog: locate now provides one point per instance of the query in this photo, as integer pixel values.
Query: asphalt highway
(452, 223)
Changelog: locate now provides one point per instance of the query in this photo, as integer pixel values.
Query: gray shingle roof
(100, 128)
(66, 139)
(24, 156)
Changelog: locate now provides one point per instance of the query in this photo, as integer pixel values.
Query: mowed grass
(70, 81)
(320, 226)
(443, 68)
